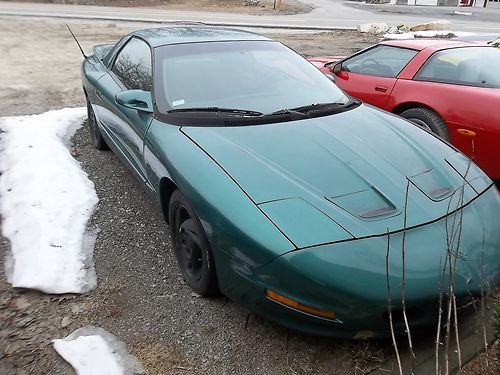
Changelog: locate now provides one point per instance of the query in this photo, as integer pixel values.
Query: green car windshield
(255, 77)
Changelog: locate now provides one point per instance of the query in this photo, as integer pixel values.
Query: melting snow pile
(94, 351)
(46, 201)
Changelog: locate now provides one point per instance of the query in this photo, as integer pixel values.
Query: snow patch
(46, 201)
(94, 351)
(428, 34)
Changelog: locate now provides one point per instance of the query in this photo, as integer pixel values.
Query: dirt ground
(239, 6)
(167, 327)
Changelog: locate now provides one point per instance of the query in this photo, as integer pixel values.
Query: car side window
(132, 66)
(470, 66)
(380, 61)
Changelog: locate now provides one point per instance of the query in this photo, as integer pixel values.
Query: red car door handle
(381, 88)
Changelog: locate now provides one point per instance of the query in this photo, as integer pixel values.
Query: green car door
(125, 126)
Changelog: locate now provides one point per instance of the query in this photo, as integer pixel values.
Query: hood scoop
(469, 172)
(366, 204)
(432, 184)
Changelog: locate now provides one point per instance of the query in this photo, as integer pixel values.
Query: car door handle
(380, 88)
(98, 94)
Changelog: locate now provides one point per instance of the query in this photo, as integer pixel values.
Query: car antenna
(76, 40)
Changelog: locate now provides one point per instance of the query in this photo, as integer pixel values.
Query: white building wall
(491, 3)
(422, 2)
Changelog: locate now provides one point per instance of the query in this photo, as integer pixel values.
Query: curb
(471, 343)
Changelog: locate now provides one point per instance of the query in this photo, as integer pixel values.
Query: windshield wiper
(287, 111)
(306, 110)
(234, 111)
(334, 106)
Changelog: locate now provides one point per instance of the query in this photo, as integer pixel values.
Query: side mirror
(136, 99)
(336, 68)
(330, 77)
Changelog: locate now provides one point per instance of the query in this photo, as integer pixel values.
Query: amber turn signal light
(298, 306)
(467, 133)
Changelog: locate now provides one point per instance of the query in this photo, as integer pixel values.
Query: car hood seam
(492, 185)
(241, 188)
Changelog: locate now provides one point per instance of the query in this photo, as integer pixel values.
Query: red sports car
(451, 88)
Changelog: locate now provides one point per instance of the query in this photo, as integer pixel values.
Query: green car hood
(342, 176)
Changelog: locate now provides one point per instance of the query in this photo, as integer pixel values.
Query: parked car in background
(281, 191)
(495, 42)
(451, 88)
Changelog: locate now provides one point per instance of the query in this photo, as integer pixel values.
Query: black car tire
(428, 120)
(191, 247)
(95, 133)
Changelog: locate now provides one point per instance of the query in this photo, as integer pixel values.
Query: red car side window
(470, 66)
(380, 61)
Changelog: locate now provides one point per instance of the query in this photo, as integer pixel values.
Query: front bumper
(350, 277)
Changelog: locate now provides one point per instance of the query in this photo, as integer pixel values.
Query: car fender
(232, 222)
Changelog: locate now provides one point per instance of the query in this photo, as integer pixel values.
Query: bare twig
(450, 236)
(483, 248)
(453, 253)
(246, 322)
(438, 333)
(56, 366)
(457, 255)
(457, 336)
(452, 261)
(183, 368)
(441, 282)
(483, 318)
(452, 304)
(448, 330)
(403, 280)
(454, 298)
(389, 307)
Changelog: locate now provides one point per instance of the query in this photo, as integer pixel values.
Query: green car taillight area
(349, 278)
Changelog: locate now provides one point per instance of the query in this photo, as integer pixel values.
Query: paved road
(329, 14)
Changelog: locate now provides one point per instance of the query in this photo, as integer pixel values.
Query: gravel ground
(140, 295)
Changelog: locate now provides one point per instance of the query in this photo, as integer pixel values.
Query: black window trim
(113, 60)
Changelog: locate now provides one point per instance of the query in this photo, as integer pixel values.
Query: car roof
(193, 34)
(422, 43)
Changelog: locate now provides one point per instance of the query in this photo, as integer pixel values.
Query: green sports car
(284, 193)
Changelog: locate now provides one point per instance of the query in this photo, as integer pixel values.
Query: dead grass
(163, 359)
(484, 364)
(366, 356)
